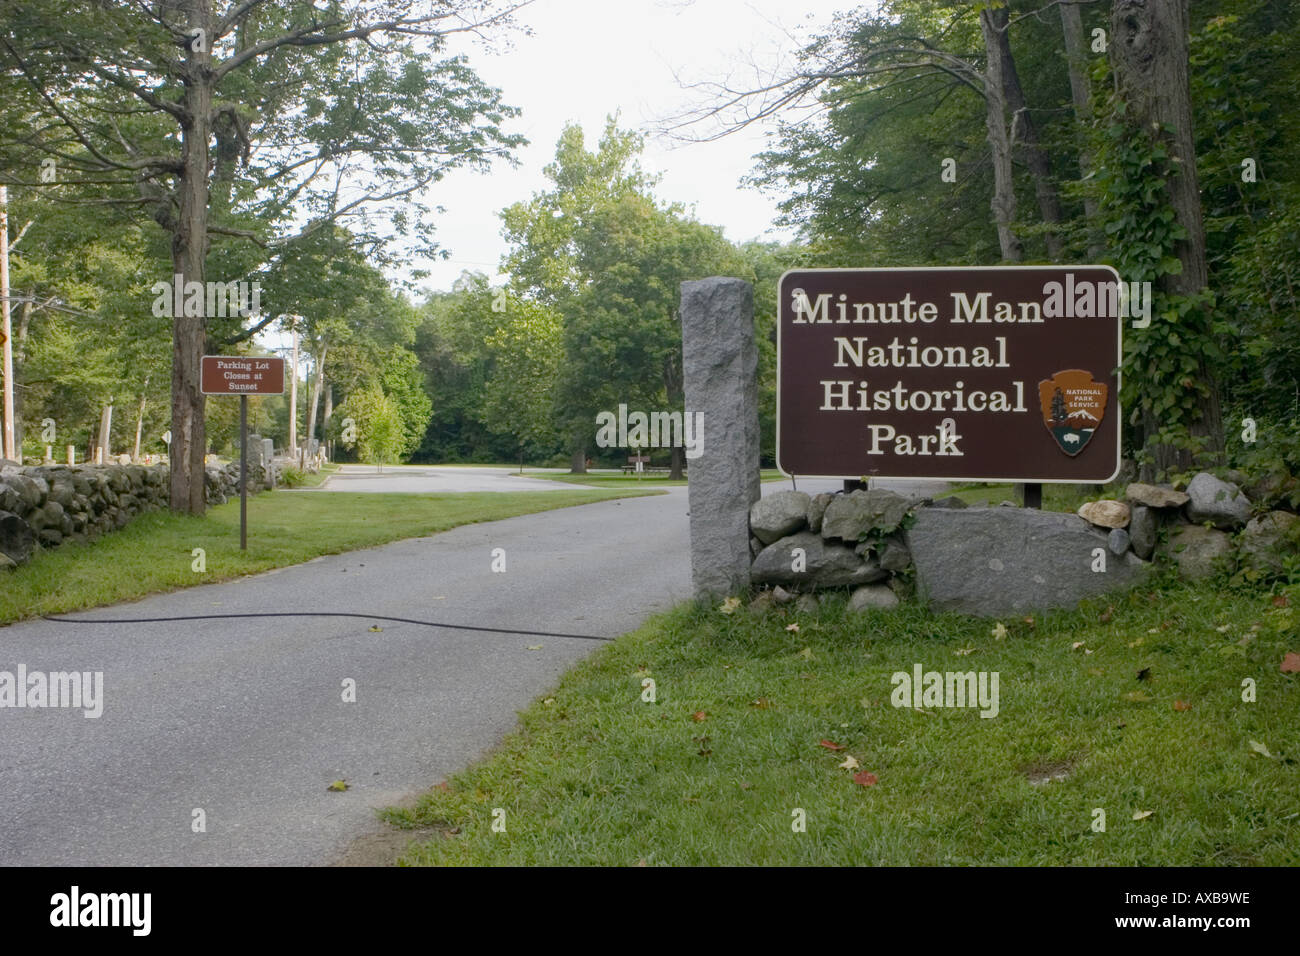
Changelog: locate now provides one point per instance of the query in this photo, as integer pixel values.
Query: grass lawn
(315, 481)
(154, 552)
(712, 771)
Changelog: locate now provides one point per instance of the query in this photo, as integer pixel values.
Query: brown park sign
(1005, 373)
(242, 375)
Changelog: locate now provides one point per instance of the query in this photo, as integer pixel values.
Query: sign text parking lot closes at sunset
(984, 374)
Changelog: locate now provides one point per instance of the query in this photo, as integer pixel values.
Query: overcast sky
(589, 58)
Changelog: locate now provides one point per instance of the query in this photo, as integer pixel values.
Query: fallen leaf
(746, 785)
(1138, 643)
(1136, 695)
(338, 786)
(1259, 748)
(793, 627)
(642, 862)
(1142, 814)
(730, 605)
(849, 763)
(1281, 600)
(375, 627)
(1029, 621)
(1223, 628)
(963, 651)
(1144, 674)
(1290, 663)
(548, 702)
(1076, 645)
(806, 653)
(830, 745)
(1106, 615)
(866, 779)
(999, 631)
(699, 716)
(1182, 705)
(534, 647)
(761, 703)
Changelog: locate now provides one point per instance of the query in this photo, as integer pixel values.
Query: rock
(719, 359)
(777, 515)
(781, 596)
(1267, 538)
(1142, 531)
(895, 556)
(16, 537)
(755, 546)
(1198, 550)
(1271, 489)
(1106, 513)
(6, 562)
(1118, 542)
(855, 515)
(806, 604)
(1008, 504)
(817, 510)
(828, 565)
(1155, 496)
(952, 501)
(872, 597)
(50, 537)
(992, 562)
(1219, 502)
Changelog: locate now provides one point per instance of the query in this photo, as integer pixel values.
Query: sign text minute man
(927, 380)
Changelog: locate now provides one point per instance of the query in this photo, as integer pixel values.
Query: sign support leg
(243, 472)
(1033, 495)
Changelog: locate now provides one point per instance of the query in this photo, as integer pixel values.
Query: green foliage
(378, 421)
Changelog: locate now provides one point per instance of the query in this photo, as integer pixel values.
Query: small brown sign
(931, 373)
(242, 375)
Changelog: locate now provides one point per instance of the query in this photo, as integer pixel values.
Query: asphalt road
(245, 719)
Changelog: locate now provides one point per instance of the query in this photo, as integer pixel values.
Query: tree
(226, 118)
(520, 394)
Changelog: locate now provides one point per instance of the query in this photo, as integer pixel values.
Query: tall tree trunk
(139, 421)
(1036, 158)
(325, 422)
(578, 461)
(678, 463)
(189, 246)
(1149, 40)
(995, 117)
(1076, 64)
(105, 431)
(315, 396)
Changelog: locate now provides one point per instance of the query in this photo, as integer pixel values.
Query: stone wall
(992, 562)
(46, 505)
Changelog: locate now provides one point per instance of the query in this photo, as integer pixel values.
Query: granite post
(720, 370)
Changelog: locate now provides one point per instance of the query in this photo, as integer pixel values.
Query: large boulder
(777, 515)
(853, 516)
(1219, 502)
(1267, 538)
(1198, 550)
(826, 564)
(817, 510)
(992, 562)
(872, 597)
(16, 537)
(1155, 496)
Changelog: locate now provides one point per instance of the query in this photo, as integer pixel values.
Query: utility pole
(6, 331)
(293, 391)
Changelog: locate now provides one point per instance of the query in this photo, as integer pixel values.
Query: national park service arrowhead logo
(1073, 405)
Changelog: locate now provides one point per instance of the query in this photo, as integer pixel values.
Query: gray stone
(952, 501)
(1142, 531)
(1118, 541)
(806, 604)
(817, 510)
(872, 597)
(1219, 502)
(991, 562)
(16, 537)
(1155, 496)
(719, 367)
(50, 537)
(755, 546)
(852, 516)
(777, 515)
(1267, 538)
(1198, 550)
(828, 565)
(895, 556)
(1106, 513)
(781, 596)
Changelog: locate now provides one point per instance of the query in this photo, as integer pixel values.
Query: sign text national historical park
(986, 374)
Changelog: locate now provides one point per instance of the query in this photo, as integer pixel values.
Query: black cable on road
(368, 617)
